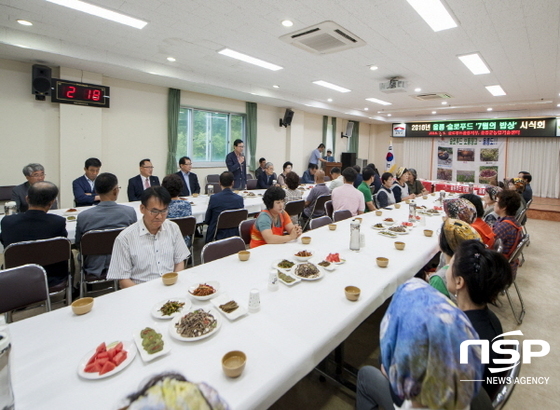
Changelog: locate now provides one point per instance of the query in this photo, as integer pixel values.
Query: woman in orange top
(274, 221)
(484, 230)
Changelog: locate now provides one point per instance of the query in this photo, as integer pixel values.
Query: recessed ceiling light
(434, 13)
(287, 23)
(101, 12)
(366, 109)
(558, 105)
(474, 63)
(496, 90)
(375, 100)
(24, 22)
(171, 59)
(444, 103)
(329, 100)
(417, 90)
(379, 112)
(388, 115)
(249, 59)
(373, 67)
(434, 112)
(332, 86)
(488, 109)
(275, 86)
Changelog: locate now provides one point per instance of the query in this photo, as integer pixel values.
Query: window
(206, 137)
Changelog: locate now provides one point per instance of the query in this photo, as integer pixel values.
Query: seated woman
(483, 229)
(266, 179)
(518, 185)
(292, 193)
(414, 186)
(506, 228)
(489, 200)
(400, 188)
(178, 208)
(385, 196)
(421, 334)
(453, 233)
(274, 221)
(476, 276)
(286, 169)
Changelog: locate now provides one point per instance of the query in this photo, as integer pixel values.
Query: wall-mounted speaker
(287, 120)
(349, 129)
(40, 81)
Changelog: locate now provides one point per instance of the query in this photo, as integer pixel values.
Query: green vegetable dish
(151, 340)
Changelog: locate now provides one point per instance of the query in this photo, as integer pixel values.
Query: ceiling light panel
(332, 86)
(24, 22)
(101, 12)
(434, 13)
(474, 63)
(248, 59)
(375, 100)
(496, 90)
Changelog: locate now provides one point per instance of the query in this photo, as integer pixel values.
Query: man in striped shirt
(150, 247)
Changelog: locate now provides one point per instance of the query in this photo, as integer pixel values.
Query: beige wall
(62, 136)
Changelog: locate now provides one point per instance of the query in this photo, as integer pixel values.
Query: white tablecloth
(294, 330)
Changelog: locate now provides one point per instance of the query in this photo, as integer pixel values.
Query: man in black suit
(267, 178)
(144, 180)
(221, 201)
(190, 180)
(36, 223)
(33, 173)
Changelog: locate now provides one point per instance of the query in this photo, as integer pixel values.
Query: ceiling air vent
(431, 97)
(323, 38)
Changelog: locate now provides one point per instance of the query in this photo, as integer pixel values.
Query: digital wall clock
(72, 92)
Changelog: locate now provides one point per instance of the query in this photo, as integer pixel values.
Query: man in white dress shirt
(150, 247)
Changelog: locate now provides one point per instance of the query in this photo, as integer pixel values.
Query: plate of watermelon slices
(106, 360)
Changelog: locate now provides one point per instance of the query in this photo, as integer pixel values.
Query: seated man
(142, 181)
(318, 190)
(506, 227)
(385, 196)
(35, 224)
(528, 193)
(329, 157)
(260, 169)
(150, 247)
(106, 215)
(219, 202)
(309, 175)
(83, 187)
(359, 178)
(336, 178)
(364, 188)
(33, 173)
(268, 177)
(348, 197)
(190, 180)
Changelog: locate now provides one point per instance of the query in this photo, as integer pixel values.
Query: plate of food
(429, 212)
(408, 224)
(106, 360)
(204, 291)
(170, 307)
(287, 279)
(326, 265)
(335, 258)
(228, 307)
(308, 271)
(283, 265)
(379, 226)
(303, 256)
(151, 343)
(399, 230)
(195, 325)
(388, 221)
(387, 234)
(71, 211)
(71, 218)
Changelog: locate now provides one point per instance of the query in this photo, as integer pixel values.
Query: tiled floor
(539, 286)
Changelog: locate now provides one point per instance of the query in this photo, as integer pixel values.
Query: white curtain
(541, 158)
(417, 154)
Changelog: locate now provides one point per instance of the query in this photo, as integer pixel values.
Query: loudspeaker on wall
(288, 116)
(41, 80)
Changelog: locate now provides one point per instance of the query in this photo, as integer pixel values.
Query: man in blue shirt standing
(316, 155)
(235, 162)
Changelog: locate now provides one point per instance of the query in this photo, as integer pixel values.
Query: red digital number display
(81, 93)
(70, 92)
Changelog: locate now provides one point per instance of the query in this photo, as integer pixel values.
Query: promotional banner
(464, 160)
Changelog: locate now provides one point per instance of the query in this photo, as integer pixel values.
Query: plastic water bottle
(6, 392)
(355, 235)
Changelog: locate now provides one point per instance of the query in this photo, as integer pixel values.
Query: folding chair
(212, 179)
(43, 252)
(188, 228)
(341, 214)
(230, 218)
(329, 209)
(23, 286)
(96, 243)
(6, 192)
(318, 222)
(512, 258)
(294, 208)
(221, 248)
(505, 390)
(251, 184)
(319, 204)
(245, 230)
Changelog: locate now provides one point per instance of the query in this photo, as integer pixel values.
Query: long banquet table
(294, 330)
